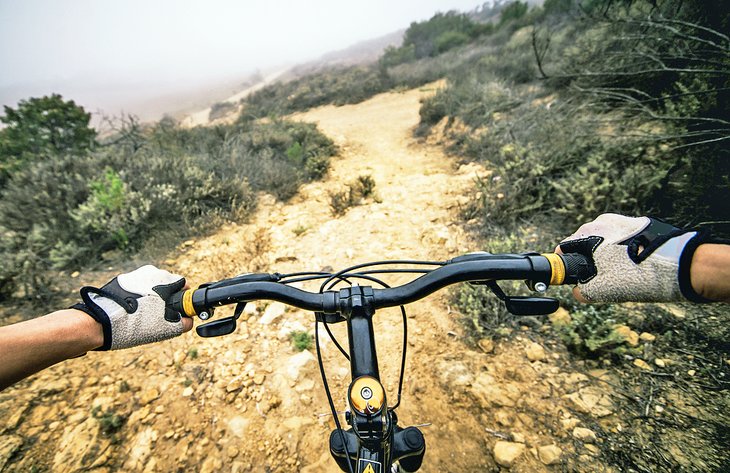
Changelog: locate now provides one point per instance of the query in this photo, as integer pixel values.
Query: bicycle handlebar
(375, 435)
(549, 269)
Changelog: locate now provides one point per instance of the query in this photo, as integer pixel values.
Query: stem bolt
(541, 287)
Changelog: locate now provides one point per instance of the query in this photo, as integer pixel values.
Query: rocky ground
(251, 402)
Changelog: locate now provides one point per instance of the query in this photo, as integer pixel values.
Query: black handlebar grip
(175, 302)
(578, 268)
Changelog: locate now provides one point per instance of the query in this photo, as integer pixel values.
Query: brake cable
(378, 263)
(331, 280)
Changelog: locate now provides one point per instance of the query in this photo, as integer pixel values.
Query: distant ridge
(362, 53)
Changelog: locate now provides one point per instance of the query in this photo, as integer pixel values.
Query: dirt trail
(249, 402)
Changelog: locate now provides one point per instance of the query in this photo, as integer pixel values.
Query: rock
(560, 317)
(16, 417)
(296, 423)
(304, 385)
(149, 396)
(55, 386)
(503, 417)
(629, 336)
(592, 448)
(691, 372)
(660, 363)
(9, 444)
(259, 378)
(289, 326)
(272, 312)
(647, 337)
(234, 385)
(187, 392)
(138, 416)
(232, 451)
(569, 423)
(487, 345)
(178, 357)
(140, 450)
(518, 437)
(239, 467)
(549, 454)
(272, 403)
(491, 394)
(591, 400)
(575, 378)
(211, 465)
(639, 363)
(237, 426)
(297, 362)
(535, 352)
(584, 435)
(505, 453)
(81, 448)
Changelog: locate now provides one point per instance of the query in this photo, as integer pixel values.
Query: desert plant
(109, 421)
(221, 109)
(301, 340)
(352, 195)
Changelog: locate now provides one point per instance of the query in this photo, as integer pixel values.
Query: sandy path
(248, 401)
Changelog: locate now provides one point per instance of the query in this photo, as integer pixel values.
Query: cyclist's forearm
(30, 346)
(710, 272)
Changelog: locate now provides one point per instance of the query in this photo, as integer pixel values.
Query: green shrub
(221, 109)
(301, 340)
(159, 178)
(513, 11)
(341, 201)
(365, 186)
(109, 421)
(42, 128)
(449, 40)
(339, 86)
(352, 195)
(592, 332)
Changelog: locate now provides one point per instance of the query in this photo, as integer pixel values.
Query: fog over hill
(151, 58)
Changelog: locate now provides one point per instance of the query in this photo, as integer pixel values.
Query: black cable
(299, 277)
(329, 396)
(378, 263)
(304, 273)
(403, 356)
(405, 335)
(337, 344)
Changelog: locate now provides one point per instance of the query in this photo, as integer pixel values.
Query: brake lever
(220, 327)
(522, 305)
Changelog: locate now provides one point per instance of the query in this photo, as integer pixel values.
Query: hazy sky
(70, 43)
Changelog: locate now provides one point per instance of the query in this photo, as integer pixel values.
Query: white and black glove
(131, 307)
(637, 259)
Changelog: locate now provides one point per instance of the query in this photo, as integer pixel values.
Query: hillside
(500, 135)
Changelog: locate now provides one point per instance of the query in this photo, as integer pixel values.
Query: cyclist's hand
(638, 259)
(131, 308)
